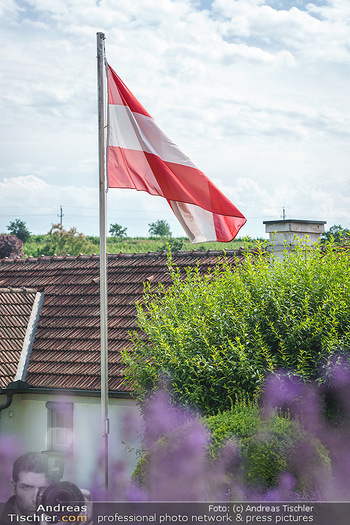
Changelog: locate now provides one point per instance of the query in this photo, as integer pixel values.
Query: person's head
(29, 476)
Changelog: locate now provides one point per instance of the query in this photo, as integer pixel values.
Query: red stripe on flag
(147, 172)
(226, 228)
(119, 94)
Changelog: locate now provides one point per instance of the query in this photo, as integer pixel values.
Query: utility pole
(60, 215)
(284, 214)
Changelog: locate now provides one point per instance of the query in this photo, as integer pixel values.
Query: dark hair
(30, 462)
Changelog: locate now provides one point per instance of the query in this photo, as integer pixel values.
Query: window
(60, 426)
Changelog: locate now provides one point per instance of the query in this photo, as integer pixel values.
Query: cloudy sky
(255, 92)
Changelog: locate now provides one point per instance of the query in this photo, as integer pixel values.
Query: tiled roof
(66, 349)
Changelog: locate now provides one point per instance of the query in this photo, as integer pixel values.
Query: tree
(213, 338)
(160, 228)
(64, 242)
(116, 230)
(19, 229)
(337, 233)
(10, 246)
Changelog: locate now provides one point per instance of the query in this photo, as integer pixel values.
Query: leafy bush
(249, 453)
(173, 245)
(10, 246)
(217, 336)
(64, 242)
(245, 451)
(93, 240)
(269, 448)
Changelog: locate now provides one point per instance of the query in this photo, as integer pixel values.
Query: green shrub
(269, 447)
(262, 450)
(139, 474)
(216, 336)
(63, 242)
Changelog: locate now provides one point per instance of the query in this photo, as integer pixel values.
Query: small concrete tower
(284, 234)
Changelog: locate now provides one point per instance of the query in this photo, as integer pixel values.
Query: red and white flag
(142, 157)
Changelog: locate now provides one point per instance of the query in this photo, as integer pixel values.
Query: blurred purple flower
(176, 444)
(177, 466)
(9, 450)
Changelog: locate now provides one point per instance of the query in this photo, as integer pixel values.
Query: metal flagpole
(103, 257)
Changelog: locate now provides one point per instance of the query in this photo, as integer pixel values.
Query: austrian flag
(142, 157)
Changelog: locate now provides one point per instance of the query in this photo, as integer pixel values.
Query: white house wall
(25, 421)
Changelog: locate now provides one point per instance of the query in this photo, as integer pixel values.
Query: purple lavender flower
(177, 466)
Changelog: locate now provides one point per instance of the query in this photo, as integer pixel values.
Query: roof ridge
(21, 289)
(121, 255)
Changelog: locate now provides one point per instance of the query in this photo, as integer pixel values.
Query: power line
(30, 215)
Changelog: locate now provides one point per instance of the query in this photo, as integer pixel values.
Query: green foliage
(63, 242)
(160, 228)
(268, 447)
(257, 450)
(139, 474)
(241, 421)
(216, 336)
(19, 229)
(93, 240)
(156, 244)
(36, 243)
(116, 230)
(336, 233)
(174, 245)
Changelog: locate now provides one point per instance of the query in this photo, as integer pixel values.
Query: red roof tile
(66, 349)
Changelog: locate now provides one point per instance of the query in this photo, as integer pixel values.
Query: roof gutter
(23, 387)
(7, 403)
(16, 387)
(79, 392)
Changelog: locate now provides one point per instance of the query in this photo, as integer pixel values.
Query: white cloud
(317, 32)
(37, 202)
(252, 91)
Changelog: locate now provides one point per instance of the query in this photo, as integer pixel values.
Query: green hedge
(269, 447)
(215, 337)
(260, 451)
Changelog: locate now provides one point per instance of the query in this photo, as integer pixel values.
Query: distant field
(142, 245)
(38, 244)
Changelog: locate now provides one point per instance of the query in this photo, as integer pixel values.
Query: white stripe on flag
(197, 222)
(134, 131)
